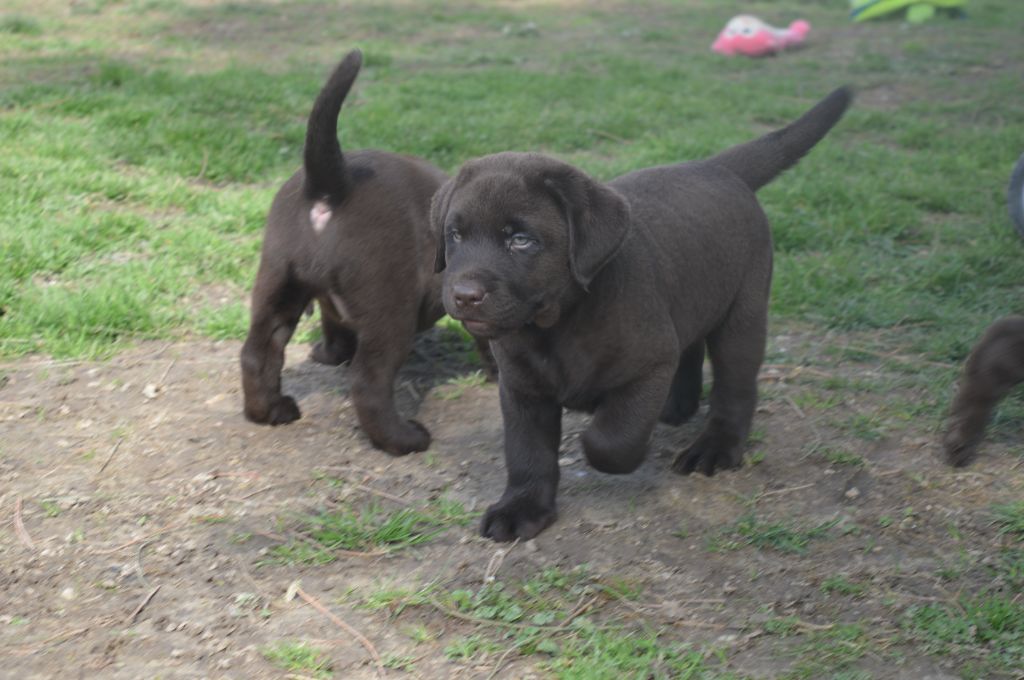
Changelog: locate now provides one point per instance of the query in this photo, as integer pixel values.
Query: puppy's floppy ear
(438, 214)
(598, 218)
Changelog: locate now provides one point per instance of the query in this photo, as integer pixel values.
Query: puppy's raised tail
(761, 160)
(325, 166)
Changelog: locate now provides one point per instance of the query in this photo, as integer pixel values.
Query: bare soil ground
(139, 506)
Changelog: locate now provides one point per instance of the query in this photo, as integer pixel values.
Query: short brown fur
(368, 263)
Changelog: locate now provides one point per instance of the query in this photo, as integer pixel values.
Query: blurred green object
(917, 11)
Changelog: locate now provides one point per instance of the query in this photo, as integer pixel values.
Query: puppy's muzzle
(468, 295)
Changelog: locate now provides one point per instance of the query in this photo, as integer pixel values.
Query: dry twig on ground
(19, 527)
(296, 589)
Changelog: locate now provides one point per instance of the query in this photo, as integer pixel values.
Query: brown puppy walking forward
(603, 297)
(994, 367)
(353, 233)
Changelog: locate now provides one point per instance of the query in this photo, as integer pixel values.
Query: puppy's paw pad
(284, 411)
(517, 518)
(959, 450)
(688, 462)
(410, 437)
(706, 459)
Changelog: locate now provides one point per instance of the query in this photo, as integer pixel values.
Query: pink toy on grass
(748, 35)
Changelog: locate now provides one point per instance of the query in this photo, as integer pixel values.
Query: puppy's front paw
(959, 448)
(410, 436)
(517, 517)
(281, 412)
(709, 454)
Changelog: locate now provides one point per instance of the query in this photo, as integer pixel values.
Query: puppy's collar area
(319, 215)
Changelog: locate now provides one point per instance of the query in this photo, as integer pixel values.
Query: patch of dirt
(138, 507)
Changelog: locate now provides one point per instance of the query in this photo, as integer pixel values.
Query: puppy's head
(519, 235)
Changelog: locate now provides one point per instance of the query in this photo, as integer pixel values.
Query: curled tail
(325, 166)
(761, 160)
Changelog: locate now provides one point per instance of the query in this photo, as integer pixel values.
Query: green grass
(984, 632)
(367, 529)
(546, 596)
(50, 507)
(19, 24)
(779, 536)
(1010, 518)
(298, 657)
(602, 655)
(142, 149)
(567, 620)
(399, 662)
(1009, 568)
(466, 647)
(837, 455)
(456, 387)
(830, 651)
(842, 586)
(870, 427)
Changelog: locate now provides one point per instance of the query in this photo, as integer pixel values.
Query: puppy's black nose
(468, 294)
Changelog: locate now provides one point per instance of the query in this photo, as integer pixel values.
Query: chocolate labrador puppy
(602, 297)
(994, 367)
(352, 232)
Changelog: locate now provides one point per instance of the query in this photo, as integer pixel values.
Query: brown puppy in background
(994, 367)
(352, 232)
(602, 297)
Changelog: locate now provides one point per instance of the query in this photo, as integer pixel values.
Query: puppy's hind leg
(338, 343)
(994, 367)
(684, 396)
(277, 305)
(380, 352)
(736, 349)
